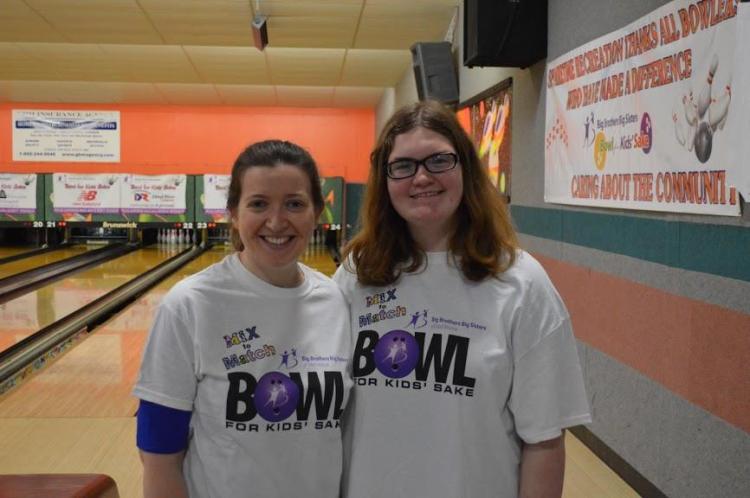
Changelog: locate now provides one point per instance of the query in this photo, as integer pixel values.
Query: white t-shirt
(264, 371)
(451, 375)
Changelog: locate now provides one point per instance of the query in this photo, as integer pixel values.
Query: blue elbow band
(161, 429)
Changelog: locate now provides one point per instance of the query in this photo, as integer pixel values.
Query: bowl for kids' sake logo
(396, 354)
(276, 396)
(647, 134)
(601, 146)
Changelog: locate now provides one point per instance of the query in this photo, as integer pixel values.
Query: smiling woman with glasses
(465, 365)
(405, 167)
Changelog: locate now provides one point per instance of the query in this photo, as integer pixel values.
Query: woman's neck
(432, 238)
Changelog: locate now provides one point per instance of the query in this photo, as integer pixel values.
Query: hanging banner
(66, 136)
(82, 193)
(153, 194)
(649, 117)
(17, 193)
(215, 189)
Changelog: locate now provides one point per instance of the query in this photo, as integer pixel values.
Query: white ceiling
(321, 53)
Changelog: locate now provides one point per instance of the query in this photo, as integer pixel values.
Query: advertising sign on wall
(215, 189)
(153, 194)
(17, 193)
(649, 117)
(66, 136)
(86, 193)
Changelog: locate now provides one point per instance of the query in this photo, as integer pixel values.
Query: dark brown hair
(268, 154)
(484, 242)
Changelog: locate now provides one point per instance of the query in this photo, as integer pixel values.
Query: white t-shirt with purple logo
(264, 371)
(451, 376)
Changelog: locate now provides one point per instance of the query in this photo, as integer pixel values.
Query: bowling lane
(34, 310)
(103, 367)
(6, 252)
(95, 378)
(318, 257)
(13, 267)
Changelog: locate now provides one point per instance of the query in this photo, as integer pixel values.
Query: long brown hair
(484, 242)
(268, 154)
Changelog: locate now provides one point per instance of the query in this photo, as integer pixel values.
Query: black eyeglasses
(436, 163)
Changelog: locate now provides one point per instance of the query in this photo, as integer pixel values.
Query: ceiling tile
(374, 67)
(230, 65)
(16, 63)
(250, 95)
(30, 91)
(18, 22)
(103, 21)
(184, 93)
(299, 66)
(154, 64)
(201, 22)
(72, 62)
(392, 25)
(361, 97)
(311, 32)
(304, 96)
(79, 92)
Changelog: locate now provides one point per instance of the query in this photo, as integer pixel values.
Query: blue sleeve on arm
(161, 429)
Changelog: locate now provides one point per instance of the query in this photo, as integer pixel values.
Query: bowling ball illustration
(275, 396)
(703, 142)
(396, 354)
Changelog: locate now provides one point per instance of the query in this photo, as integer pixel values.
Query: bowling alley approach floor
(77, 414)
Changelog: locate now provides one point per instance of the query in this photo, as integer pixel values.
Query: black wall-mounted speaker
(435, 72)
(260, 32)
(504, 33)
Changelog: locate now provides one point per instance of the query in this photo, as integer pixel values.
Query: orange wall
(207, 139)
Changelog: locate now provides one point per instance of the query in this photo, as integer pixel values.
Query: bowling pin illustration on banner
(703, 113)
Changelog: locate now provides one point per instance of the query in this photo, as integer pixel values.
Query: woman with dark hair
(465, 366)
(244, 375)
